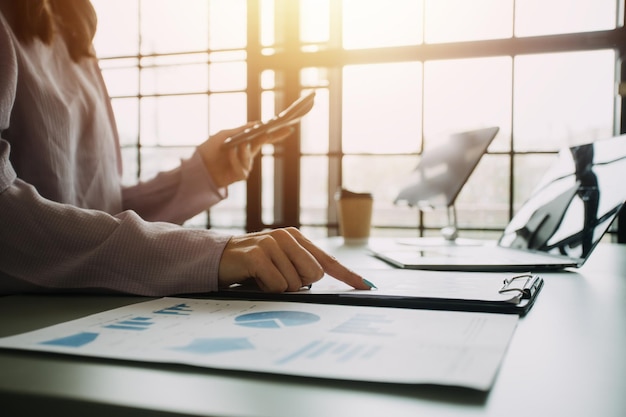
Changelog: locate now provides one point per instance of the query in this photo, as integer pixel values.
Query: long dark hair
(74, 19)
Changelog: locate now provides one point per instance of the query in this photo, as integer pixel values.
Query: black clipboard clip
(526, 285)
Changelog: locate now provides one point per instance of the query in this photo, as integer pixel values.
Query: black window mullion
(254, 188)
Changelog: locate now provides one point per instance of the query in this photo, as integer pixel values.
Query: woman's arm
(199, 182)
(174, 196)
(46, 246)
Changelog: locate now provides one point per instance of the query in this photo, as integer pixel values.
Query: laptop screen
(444, 168)
(575, 203)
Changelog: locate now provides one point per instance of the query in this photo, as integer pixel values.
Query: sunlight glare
(374, 23)
(544, 17)
(462, 20)
(168, 25)
(314, 21)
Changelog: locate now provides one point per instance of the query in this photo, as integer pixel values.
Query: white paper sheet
(326, 341)
(483, 286)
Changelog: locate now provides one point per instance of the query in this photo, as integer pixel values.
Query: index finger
(331, 265)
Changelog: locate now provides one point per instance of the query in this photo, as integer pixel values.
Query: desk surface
(567, 358)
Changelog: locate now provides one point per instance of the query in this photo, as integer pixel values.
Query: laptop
(559, 226)
(445, 168)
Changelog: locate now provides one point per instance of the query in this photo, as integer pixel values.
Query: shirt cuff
(198, 169)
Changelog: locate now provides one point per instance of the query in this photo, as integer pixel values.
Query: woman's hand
(280, 260)
(229, 165)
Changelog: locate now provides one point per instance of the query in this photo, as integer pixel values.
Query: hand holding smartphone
(291, 115)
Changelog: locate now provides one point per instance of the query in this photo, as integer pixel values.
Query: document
(466, 291)
(401, 283)
(327, 341)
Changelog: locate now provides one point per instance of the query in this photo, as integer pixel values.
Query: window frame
(289, 59)
(287, 172)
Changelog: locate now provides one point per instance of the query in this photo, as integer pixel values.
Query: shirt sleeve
(177, 195)
(47, 246)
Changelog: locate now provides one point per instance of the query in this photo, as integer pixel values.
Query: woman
(68, 224)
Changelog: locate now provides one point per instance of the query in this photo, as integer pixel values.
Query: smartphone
(291, 115)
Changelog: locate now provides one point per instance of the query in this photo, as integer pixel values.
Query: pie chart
(276, 319)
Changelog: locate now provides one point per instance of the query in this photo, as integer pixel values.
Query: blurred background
(391, 78)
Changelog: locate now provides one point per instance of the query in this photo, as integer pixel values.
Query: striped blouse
(66, 221)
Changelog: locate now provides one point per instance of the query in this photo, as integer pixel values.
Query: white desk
(567, 358)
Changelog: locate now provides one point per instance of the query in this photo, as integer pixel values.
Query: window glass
(382, 176)
(268, 79)
(231, 212)
(382, 107)
(174, 120)
(314, 191)
(121, 76)
(462, 20)
(465, 94)
(562, 99)
(484, 199)
(546, 17)
(155, 160)
(130, 165)
(168, 79)
(226, 23)
(375, 23)
(268, 190)
(126, 112)
(225, 76)
(226, 111)
(268, 105)
(167, 60)
(314, 77)
(188, 79)
(314, 20)
(174, 26)
(314, 127)
(118, 27)
(198, 221)
(529, 169)
(267, 35)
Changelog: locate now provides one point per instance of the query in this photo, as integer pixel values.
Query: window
(389, 82)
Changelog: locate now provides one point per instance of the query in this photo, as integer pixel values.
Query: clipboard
(290, 116)
(433, 290)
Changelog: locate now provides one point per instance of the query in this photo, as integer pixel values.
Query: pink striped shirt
(66, 222)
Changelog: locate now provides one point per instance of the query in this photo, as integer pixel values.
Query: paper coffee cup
(354, 212)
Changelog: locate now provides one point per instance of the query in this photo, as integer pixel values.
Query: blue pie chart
(276, 319)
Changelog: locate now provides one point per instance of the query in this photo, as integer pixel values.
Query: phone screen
(291, 115)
